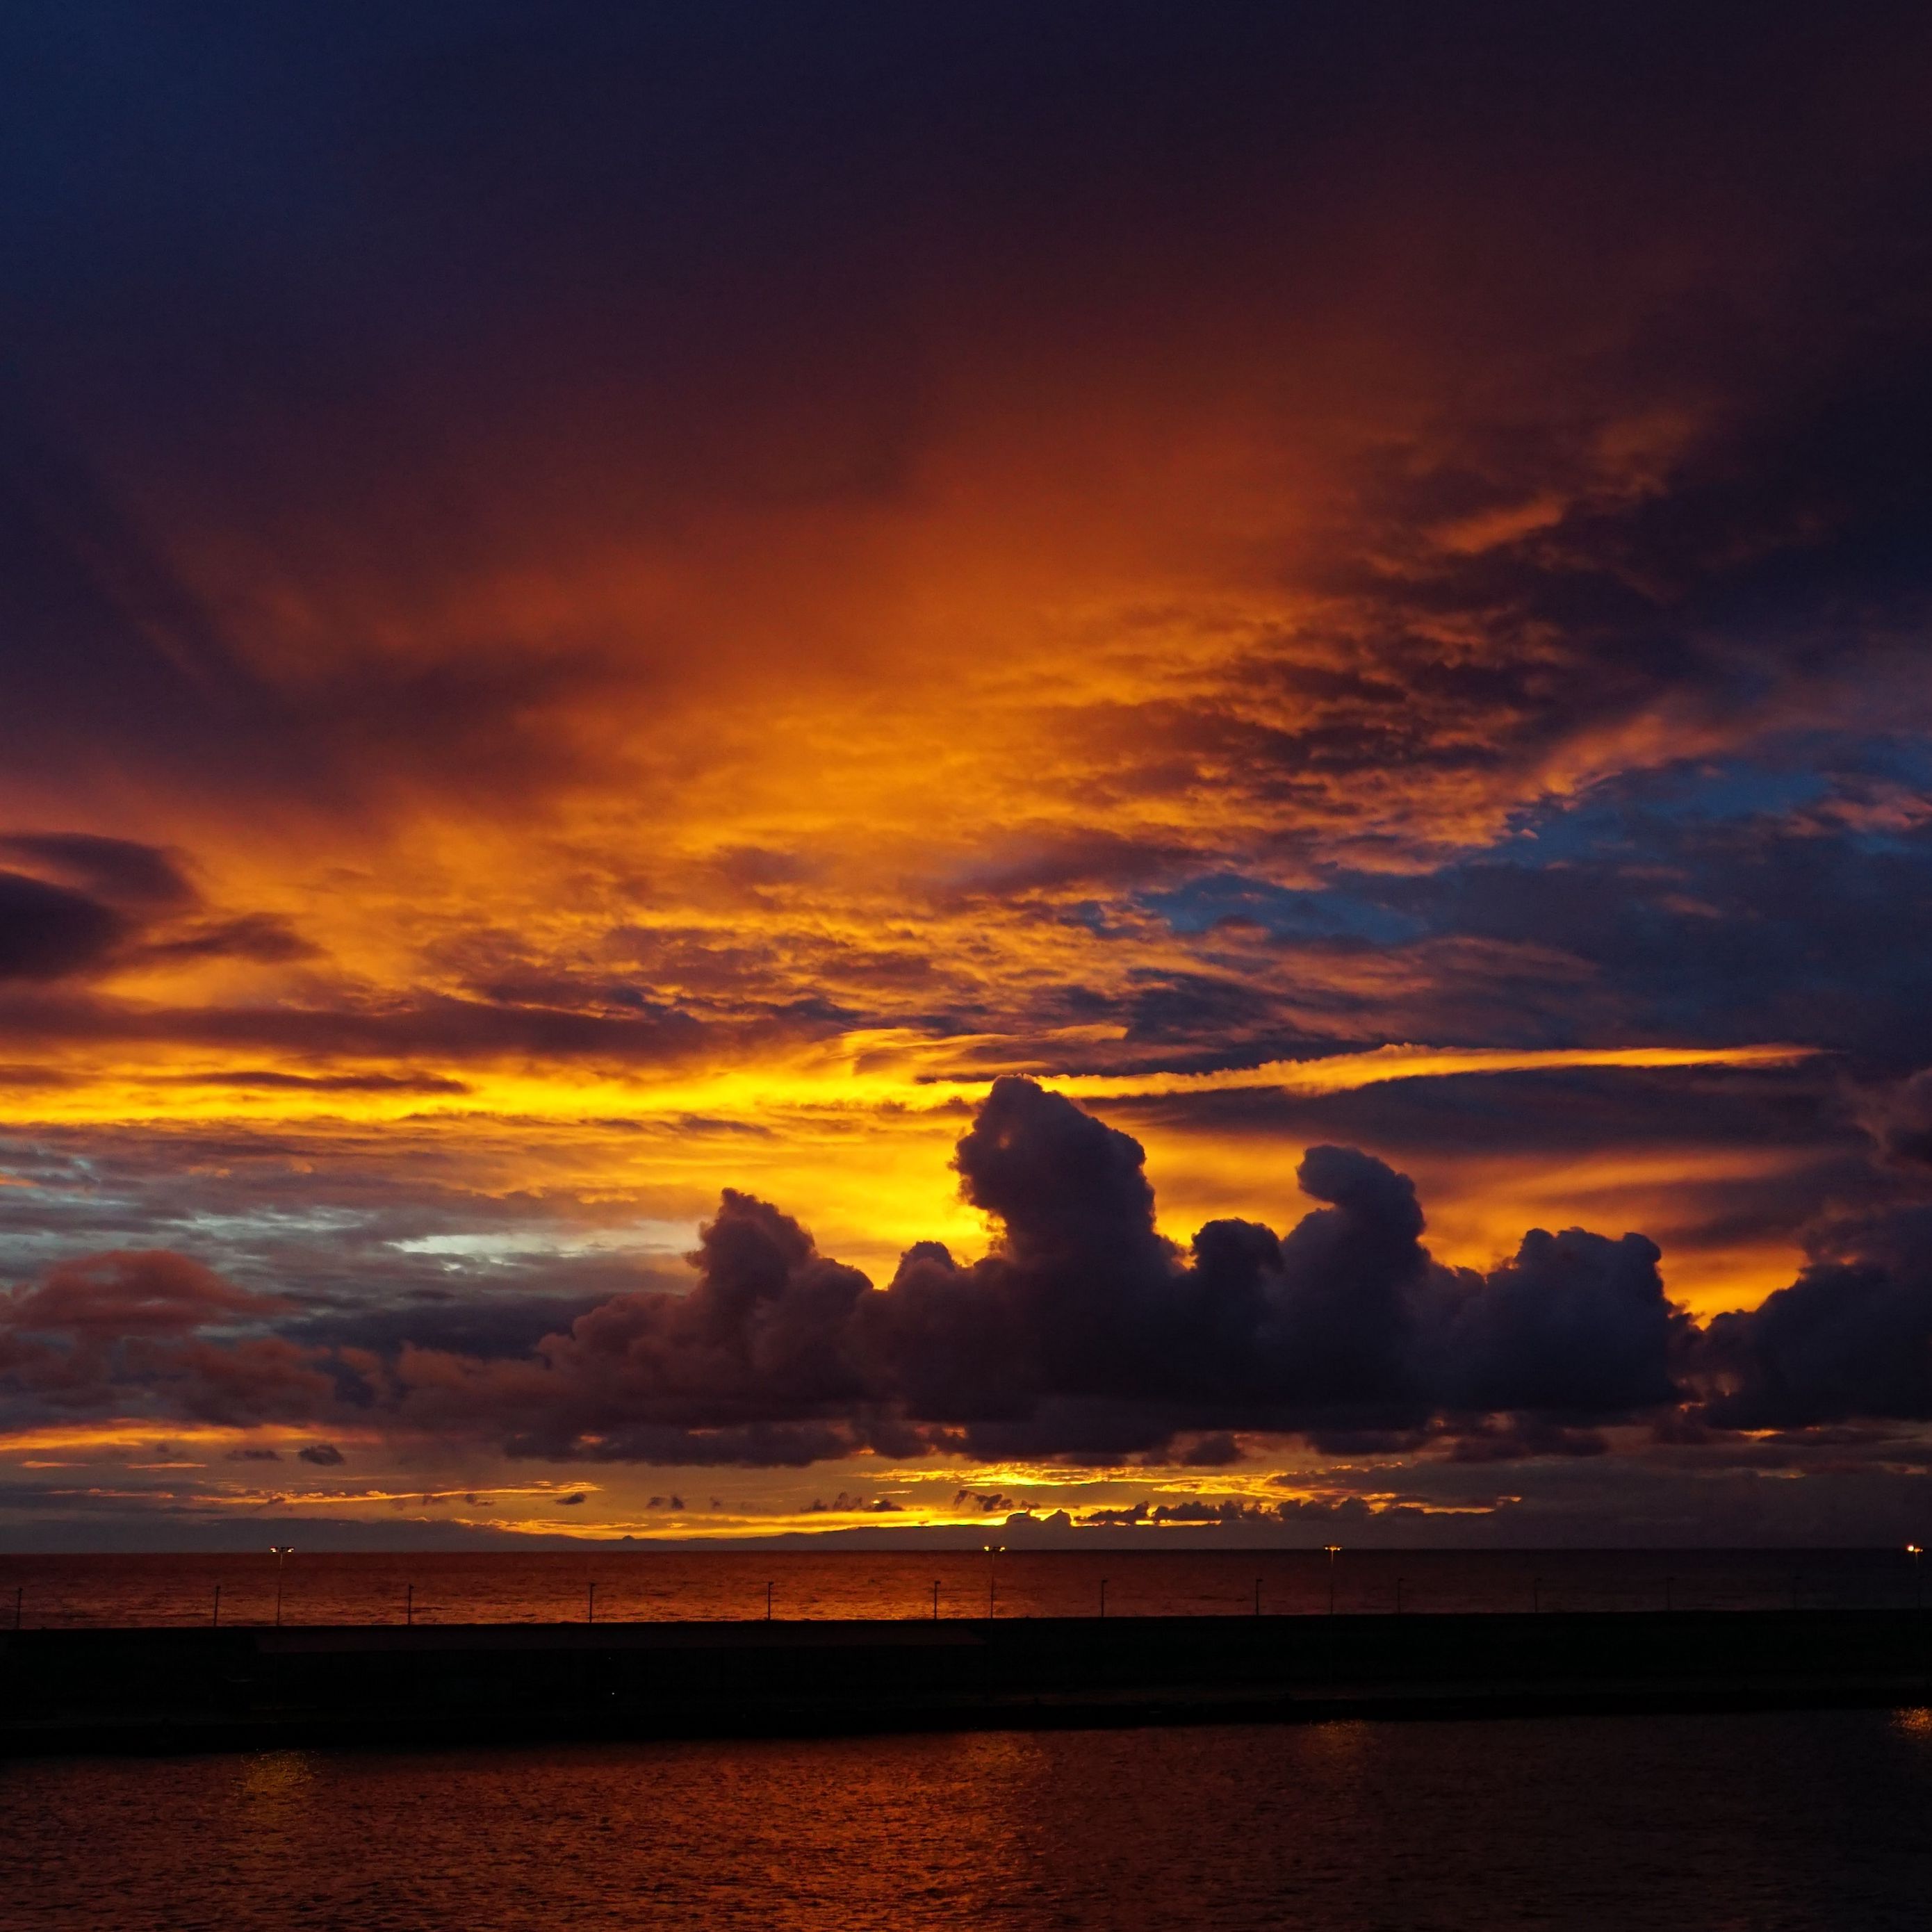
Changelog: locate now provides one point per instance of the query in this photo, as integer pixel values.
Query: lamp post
(1334, 1549)
(1918, 1556)
(281, 1551)
(1103, 1599)
(992, 1550)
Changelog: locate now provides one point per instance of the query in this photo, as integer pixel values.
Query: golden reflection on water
(273, 1792)
(1915, 1723)
(276, 1773)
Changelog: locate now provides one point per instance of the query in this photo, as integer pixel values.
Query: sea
(630, 1583)
(1812, 1822)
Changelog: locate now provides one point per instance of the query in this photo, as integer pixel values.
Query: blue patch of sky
(1615, 824)
(1608, 821)
(1801, 772)
(1334, 912)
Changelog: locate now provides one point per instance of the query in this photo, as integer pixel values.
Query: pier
(162, 1691)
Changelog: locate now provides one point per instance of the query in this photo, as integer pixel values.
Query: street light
(992, 1550)
(1334, 1549)
(1918, 1556)
(281, 1551)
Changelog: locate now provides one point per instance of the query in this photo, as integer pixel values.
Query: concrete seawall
(172, 1690)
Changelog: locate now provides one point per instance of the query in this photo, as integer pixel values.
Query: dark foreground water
(1732, 1824)
(1171, 1580)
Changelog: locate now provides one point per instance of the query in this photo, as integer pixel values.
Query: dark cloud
(259, 937)
(49, 931)
(323, 1455)
(1851, 1338)
(481, 1325)
(268, 1081)
(121, 870)
(1899, 1118)
(988, 1502)
(1522, 1437)
(1575, 1324)
(1760, 926)
(1224, 1512)
(847, 1504)
(418, 1025)
(112, 901)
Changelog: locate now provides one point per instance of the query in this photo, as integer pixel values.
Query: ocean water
(632, 1583)
(1807, 1823)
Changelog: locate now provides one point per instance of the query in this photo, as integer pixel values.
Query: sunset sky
(600, 605)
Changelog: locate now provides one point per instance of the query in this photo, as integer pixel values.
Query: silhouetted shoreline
(165, 1691)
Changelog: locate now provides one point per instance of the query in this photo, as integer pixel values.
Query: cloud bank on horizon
(595, 604)
(1082, 1338)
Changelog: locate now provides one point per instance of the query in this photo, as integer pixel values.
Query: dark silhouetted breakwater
(168, 1690)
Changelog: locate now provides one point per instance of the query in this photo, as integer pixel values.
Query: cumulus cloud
(1851, 1337)
(1082, 1333)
